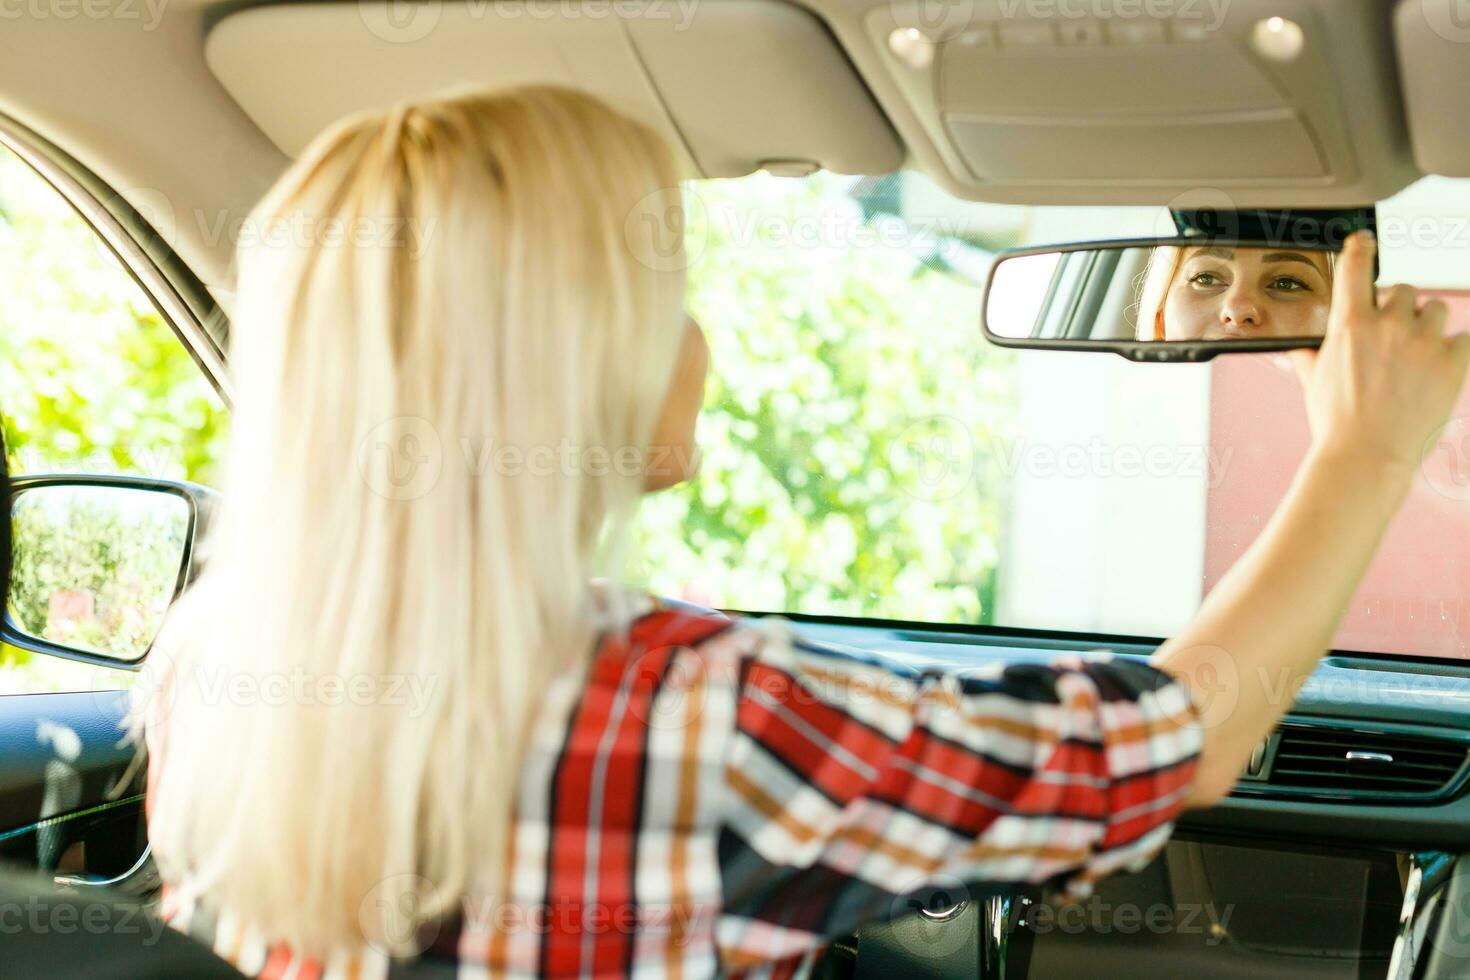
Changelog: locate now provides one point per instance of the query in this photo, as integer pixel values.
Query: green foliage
(91, 378)
(837, 477)
(95, 568)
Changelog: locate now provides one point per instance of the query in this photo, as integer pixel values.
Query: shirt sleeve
(851, 784)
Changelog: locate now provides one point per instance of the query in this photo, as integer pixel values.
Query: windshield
(869, 454)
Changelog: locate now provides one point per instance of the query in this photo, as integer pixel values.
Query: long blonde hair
(1153, 288)
(427, 298)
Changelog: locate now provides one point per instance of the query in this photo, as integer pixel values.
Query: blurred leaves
(829, 351)
(91, 378)
(96, 567)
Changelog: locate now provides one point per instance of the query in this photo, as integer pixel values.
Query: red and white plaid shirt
(719, 797)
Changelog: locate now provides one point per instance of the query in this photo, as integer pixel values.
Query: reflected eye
(1206, 279)
(1288, 284)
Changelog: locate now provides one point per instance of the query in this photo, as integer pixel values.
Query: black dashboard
(1335, 856)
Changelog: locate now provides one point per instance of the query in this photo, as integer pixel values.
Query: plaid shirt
(719, 797)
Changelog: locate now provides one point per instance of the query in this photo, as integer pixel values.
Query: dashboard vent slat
(1304, 743)
(1405, 782)
(1313, 760)
(1398, 764)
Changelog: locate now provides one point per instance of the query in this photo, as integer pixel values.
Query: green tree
(91, 378)
(850, 390)
(115, 552)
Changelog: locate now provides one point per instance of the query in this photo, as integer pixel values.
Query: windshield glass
(869, 454)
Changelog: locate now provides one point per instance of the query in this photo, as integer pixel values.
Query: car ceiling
(191, 108)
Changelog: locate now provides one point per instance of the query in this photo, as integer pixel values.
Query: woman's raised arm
(1385, 379)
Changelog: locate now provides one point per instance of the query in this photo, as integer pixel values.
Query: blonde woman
(396, 718)
(1209, 292)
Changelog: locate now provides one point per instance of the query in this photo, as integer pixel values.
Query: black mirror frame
(1152, 351)
(201, 502)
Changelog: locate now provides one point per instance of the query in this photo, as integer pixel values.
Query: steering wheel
(939, 935)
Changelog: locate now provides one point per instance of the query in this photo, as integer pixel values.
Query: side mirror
(1168, 299)
(97, 562)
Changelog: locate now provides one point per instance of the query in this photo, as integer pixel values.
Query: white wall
(1107, 484)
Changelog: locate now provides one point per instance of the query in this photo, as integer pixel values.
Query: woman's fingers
(1434, 316)
(1304, 362)
(1399, 302)
(1459, 345)
(1352, 287)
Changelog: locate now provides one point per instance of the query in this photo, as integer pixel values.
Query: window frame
(181, 299)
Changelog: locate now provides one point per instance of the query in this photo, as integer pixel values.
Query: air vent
(1352, 764)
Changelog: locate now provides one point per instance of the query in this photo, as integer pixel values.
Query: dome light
(1278, 39)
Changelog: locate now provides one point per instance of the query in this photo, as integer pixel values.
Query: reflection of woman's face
(1239, 293)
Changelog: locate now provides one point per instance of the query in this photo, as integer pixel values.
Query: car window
(92, 377)
(869, 454)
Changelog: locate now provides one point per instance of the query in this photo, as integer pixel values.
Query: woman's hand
(1383, 382)
(1386, 376)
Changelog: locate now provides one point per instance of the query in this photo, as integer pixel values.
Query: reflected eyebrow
(1289, 257)
(1228, 255)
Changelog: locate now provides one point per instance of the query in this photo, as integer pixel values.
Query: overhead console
(737, 86)
(1188, 103)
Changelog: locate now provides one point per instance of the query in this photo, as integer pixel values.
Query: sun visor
(1434, 65)
(735, 85)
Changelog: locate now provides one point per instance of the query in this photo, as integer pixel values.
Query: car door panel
(65, 781)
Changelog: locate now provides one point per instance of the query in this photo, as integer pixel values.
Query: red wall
(1416, 597)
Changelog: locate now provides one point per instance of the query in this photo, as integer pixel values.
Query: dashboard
(1335, 856)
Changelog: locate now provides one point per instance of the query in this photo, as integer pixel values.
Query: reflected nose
(1242, 310)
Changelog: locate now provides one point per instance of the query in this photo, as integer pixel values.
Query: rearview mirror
(97, 562)
(1172, 299)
